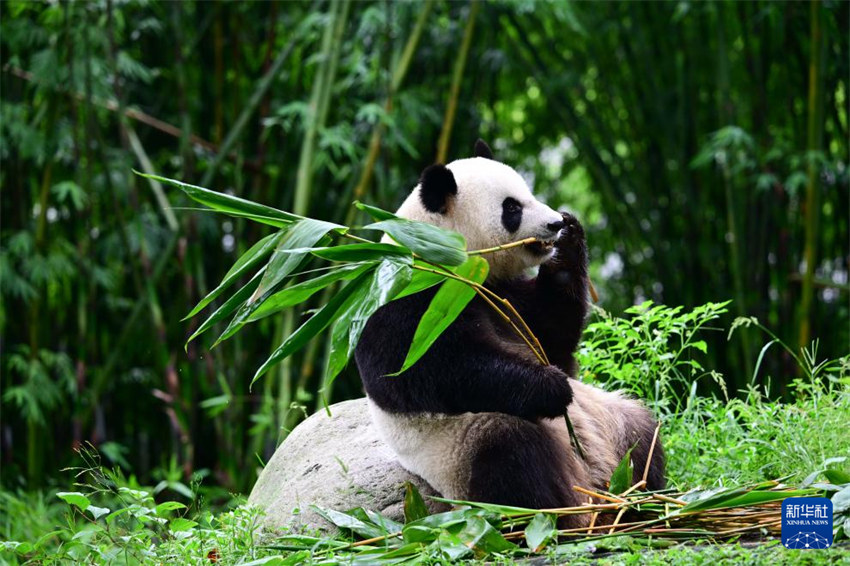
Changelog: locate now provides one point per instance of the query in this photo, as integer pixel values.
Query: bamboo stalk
(399, 73)
(649, 458)
(332, 42)
(666, 499)
(634, 487)
(814, 137)
(611, 498)
(457, 76)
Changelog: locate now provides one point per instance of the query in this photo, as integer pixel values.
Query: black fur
(512, 214)
(482, 149)
(478, 365)
(438, 184)
(465, 370)
(517, 463)
(555, 304)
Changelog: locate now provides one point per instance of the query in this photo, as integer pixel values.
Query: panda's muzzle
(544, 246)
(541, 247)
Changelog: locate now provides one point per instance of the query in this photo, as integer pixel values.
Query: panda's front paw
(571, 245)
(558, 393)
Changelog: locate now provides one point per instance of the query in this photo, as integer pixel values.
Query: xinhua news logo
(806, 522)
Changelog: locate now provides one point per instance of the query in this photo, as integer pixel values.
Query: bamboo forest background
(704, 146)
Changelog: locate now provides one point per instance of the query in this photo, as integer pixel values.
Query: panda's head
(490, 204)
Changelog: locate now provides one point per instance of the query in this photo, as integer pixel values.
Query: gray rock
(337, 462)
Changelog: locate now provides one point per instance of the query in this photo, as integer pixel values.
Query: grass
(711, 442)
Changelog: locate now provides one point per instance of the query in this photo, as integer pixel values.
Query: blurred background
(703, 145)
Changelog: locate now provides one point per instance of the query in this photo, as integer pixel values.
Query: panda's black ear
(438, 184)
(482, 149)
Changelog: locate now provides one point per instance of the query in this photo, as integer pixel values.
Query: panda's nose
(556, 226)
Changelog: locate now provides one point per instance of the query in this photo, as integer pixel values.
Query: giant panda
(478, 417)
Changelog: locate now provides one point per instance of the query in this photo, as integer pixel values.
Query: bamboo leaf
(445, 307)
(621, 478)
(302, 236)
(230, 204)
(230, 305)
(738, 497)
(540, 532)
(313, 326)
(414, 505)
(375, 212)
(300, 292)
(246, 261)
(366, 529)
(420, 281)
(426, 240)
(841, 501)
(483, 538)
(391, 276)
(293, 295)
(359, 252)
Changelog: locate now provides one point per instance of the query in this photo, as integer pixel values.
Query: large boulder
(337, 462)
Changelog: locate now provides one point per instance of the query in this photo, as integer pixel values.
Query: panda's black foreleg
(557, 304)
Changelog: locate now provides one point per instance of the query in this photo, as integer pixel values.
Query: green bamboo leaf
(507, 510)
(738, 497)
(313, 326)
(431, 243)
(540, 531)
(621, 478)
(300, 292)
(841, 501)
(445, 307)
(246, 261)
(375, 212)
(483, 538)
(414, 505)
(349, 521)
(360, 252)
(229, 204)
(293, 295)
(390, 277)
(230, 305)
(289, 254)
(420, 281)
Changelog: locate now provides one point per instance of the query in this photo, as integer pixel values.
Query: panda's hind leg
(519, 463)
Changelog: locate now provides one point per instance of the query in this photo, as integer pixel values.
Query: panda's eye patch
(511, 214)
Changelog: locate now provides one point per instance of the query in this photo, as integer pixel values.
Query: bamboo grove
(704, 146)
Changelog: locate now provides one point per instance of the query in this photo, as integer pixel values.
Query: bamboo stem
(518, 243)
(611, 498)
(814, 138)
(649, 458)
(457, 76)
(666, 499)
(481, 290)
(399, 73)
(636, 486)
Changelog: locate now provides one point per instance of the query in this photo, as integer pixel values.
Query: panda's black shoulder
(384, 345)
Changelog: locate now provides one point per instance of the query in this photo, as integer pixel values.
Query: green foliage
(377, 274)
(719, 453)
(676, 131)
(653, 354)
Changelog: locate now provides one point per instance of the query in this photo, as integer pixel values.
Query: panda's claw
(571, 236)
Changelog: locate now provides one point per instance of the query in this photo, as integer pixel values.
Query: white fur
(438, 447)
(476, 212)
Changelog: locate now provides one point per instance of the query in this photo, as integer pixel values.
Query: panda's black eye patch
(511, 214)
